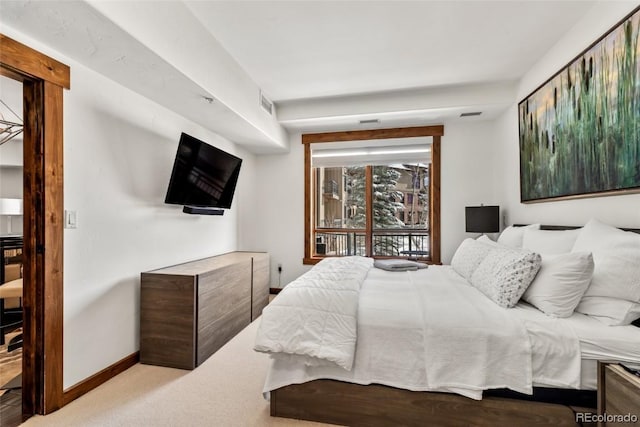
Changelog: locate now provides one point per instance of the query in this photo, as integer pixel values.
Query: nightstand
(618, 396)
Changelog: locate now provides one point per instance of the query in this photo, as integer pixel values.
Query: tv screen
(203, 175)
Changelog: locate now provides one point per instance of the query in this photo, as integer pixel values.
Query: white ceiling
(327, 64)
(306, 49)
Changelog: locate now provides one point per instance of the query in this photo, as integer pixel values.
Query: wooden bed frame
(342, 403)
(337, 402)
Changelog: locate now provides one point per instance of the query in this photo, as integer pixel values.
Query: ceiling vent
(369, 121)
(474, 113)
(266, 104)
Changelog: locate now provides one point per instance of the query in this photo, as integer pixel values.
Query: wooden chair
(10, 319)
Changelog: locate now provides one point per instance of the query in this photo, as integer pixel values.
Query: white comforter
(428, 330)
(315, 316)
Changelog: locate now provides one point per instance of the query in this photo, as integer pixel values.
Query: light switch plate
(70, 219)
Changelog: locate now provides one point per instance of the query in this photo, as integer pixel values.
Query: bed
(536, 369)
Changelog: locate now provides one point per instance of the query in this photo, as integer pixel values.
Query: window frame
(436, 132)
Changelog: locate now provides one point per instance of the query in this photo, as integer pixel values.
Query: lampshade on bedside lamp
(9, 208)
(482, 219)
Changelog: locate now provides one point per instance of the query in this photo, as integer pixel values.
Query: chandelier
(8, 128)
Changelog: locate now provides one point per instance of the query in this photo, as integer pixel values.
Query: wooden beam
(53, 220)
(359, 135)
(25, 60)
(32, 231)
(43, 245)
(308, 191)
(434, 197)
(10, 73)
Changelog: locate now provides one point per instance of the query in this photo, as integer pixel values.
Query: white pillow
(616, 255)
(504, 274)
(560, 283)
(549, 242)
(611, 311)
(512, 236)
(487, 240)
(468, 256)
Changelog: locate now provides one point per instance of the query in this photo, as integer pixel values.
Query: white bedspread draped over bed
(471, 344)
(315, 316)
(428, 330)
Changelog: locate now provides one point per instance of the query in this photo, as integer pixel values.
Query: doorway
(11, 248)
(43, 80)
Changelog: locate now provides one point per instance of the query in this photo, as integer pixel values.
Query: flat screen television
(203, 176)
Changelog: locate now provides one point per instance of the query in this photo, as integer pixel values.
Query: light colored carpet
(226, 390)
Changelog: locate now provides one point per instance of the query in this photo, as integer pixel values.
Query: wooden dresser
(188, 311)
(618, 396)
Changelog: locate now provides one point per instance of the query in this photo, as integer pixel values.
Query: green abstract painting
(580, 130)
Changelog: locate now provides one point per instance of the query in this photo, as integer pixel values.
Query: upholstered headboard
(573, 227)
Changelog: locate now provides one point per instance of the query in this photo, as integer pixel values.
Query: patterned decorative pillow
(468, 257)
(504, 275)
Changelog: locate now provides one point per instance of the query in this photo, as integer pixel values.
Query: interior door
(43, 80)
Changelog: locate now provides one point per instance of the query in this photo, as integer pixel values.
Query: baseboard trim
(99, 378)
(274, 291)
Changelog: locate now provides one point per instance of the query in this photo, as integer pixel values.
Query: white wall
(280, 213)
(118, 154)
(468, 171)
(622, 211)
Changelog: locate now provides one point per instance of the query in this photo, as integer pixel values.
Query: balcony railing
(409, 243)
(340, 244)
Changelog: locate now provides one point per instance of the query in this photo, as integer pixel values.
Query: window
(373, 193)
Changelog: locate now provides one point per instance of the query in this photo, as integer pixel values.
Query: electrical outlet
(279, 268)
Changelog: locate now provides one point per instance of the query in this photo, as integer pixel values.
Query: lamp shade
(482, 219)
(10, 206)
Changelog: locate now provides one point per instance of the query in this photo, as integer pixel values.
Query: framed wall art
(580, 131)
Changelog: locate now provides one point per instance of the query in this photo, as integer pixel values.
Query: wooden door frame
(44, 80)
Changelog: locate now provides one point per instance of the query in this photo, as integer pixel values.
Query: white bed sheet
(387, 313)
(598, 341)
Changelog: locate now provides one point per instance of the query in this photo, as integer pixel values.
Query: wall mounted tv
(204, 177)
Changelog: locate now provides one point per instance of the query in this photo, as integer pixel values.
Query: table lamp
(9, 208)
(482, 219)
